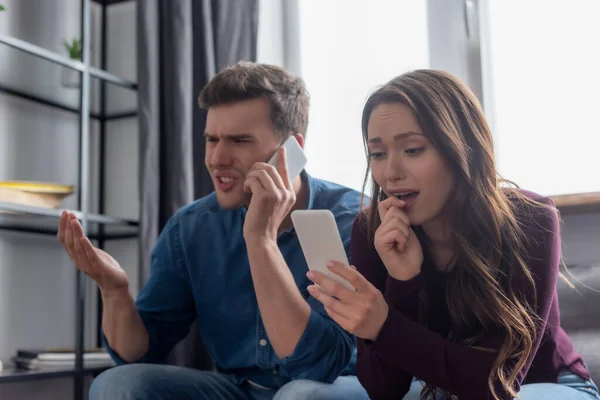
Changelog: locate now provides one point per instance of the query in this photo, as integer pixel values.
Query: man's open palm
(94, 262)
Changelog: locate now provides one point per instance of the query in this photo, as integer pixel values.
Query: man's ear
(300, 139)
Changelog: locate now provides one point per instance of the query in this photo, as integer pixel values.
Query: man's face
(237, 136)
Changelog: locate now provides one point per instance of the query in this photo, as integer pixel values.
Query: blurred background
(98, 114)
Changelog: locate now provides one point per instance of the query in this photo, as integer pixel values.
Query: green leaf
(73, 48)
(2, 7)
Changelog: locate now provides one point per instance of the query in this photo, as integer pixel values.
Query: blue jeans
(568, 387)
(165, 382)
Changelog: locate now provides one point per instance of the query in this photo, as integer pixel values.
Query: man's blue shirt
(200, 271)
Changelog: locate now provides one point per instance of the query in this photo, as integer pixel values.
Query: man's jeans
(164, 382)
(569, 387)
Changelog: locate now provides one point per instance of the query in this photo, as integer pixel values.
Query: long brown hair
(483, 221)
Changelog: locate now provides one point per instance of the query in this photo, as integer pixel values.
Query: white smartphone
(296, 159)
(320, 241)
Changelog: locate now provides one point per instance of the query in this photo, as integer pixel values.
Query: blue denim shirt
(200, 271)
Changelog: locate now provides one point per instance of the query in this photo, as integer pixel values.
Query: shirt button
(262, 342)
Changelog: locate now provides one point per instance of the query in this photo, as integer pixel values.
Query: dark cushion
(580, 312)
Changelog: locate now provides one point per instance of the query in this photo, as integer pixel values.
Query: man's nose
(221, 155)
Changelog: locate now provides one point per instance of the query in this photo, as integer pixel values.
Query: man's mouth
(225, 182)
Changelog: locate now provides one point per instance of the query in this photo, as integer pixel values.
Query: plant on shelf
(70, 77)
(73, 48)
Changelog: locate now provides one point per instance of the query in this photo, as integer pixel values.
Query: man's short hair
(285, 93)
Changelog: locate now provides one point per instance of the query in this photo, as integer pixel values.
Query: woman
(456, 274)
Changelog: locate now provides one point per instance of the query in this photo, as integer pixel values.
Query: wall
(37, 280)
(581, 236)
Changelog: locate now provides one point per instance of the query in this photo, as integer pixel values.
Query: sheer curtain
(181, 45)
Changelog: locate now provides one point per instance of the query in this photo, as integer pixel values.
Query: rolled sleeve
(146, 358)
(323, 351)
(165, 303)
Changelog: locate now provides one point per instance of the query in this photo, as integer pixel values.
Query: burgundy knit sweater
(406, 348)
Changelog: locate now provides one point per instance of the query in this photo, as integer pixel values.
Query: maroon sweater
(405, 348)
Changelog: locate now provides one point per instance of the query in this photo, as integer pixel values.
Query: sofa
(580, 312)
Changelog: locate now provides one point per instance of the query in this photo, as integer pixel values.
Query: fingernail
(310, 274)
(310, 288)
(330, 263)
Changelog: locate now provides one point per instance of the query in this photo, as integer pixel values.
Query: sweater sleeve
(405, 345)
(380, 379)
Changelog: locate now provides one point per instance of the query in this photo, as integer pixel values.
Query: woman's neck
(442, 247)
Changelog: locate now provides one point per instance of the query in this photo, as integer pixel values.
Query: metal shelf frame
(102, 224)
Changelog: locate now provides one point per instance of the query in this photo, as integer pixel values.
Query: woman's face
(405, 164)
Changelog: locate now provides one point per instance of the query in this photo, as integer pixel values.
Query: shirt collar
(310, 184)
(309, 181)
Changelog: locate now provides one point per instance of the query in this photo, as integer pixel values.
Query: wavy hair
(483, 221)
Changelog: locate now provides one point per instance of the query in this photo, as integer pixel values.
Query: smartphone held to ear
(296, 159)
(320, 241)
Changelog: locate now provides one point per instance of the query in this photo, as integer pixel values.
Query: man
(231, 261)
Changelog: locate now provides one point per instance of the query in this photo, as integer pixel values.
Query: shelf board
(65, 61)
(54, 104)
(11, 374)
(20, 218)
(109, 2)
(40, 100)
(120, 115)
(577, 203)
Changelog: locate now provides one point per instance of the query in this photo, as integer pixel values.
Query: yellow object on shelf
(35, 194)
(38, 187)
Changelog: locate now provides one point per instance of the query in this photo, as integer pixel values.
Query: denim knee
(125, 382)
(344, 388)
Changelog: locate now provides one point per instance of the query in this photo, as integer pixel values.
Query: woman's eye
(376, 155)
(414, 151)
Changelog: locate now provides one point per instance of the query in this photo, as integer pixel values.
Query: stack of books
(50, 359)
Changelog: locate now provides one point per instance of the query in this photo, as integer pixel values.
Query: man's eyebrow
(230, 136)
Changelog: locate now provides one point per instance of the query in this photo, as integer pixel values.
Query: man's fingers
(77, 251)
(62, 226)
(69, 235)
(277, 179)
(264, 178)
(90, 252)
(282, 168)
(252, 185)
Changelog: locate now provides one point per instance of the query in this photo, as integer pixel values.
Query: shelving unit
(97, 226)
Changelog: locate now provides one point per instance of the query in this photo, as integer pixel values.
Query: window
(347, 49)
(543, 92)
